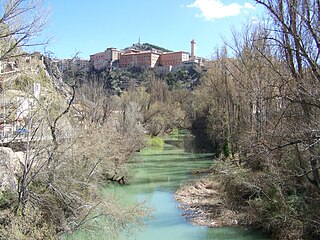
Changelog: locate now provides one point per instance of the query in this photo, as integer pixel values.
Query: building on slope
(105, 59)
(136, 58)
(173, 58)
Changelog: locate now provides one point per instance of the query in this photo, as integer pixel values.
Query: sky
(91, 26)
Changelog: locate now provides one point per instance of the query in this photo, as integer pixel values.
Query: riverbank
(204, 204)
(212, 200)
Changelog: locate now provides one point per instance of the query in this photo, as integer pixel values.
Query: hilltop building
(138, 55)
(173, 58)
(135, 58)
(151, 58)
(143, 55)
(105, 59)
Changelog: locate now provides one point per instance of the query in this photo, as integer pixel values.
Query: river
(155, 177)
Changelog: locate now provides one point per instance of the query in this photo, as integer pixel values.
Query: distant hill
(156, 47)
(147, 46)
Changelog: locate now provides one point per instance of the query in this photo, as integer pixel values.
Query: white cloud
(216, 9)
(249, 6)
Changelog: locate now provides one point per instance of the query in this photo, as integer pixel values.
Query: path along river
(155, 178)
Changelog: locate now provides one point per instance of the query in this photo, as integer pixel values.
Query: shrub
(155, 142)
(175, 131)
(31, 225)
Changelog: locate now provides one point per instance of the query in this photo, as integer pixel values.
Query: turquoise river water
(155, 178)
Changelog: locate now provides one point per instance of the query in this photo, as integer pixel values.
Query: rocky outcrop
(9, 169)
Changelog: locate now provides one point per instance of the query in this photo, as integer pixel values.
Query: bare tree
(20, 22)
(295, 31)
(94, 103)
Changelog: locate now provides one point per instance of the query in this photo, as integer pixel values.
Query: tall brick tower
(193, 45)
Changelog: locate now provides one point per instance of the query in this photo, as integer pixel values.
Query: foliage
(147, 46)
(156, 47)
(184, 78)
(262, 203)
(175, 131)
(155, 142)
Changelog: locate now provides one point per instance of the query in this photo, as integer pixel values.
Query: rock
(9, 169)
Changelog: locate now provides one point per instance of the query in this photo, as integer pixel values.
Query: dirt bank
(204, 204)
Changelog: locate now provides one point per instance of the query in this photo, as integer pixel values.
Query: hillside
(147, 47)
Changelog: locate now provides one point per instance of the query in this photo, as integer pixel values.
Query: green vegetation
(147, 46)
(150, 46)
(184, 78)
(175, 131)
(156, 142)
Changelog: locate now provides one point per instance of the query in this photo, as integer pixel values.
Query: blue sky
(91, 26)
